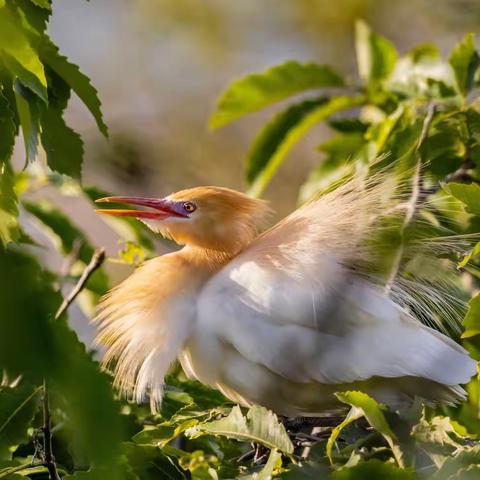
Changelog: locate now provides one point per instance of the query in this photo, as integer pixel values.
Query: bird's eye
(189, 207)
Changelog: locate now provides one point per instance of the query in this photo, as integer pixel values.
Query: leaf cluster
(414, 113)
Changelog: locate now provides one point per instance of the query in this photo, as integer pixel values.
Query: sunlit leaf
(271, 136)
(283, 140)
(259, 425)
(471, 322)
(376, 56)
(20, 57)
(465, 61)
(468, 194)
(77, 81)
(9, 227)
(366, 406)
(258, 90)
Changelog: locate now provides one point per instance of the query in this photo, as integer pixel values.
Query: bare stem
(417, 187)
(95, 262)
(48, 458)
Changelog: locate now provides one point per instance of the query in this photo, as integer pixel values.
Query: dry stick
(49, 460)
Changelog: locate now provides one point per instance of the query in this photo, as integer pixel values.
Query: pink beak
(162, 208)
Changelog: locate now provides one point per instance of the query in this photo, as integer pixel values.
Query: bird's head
(213, 218)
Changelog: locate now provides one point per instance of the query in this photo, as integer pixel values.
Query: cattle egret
(284, 318)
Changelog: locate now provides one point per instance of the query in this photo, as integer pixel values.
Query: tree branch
(48, 458)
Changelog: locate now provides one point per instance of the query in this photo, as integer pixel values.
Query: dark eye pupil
(189, 207)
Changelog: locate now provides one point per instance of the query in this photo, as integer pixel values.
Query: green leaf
(353, 414)
(465, 61)
(50, 349)
(424, 51)
(7, 129)
(28, 109)
(364, 405)
(471, 322)
(77, 81)
(338, 165)
(68, 234)
(17, 408)
(63, 146)
(373, 470)
(258, 90)
(18, 55)
(9, 227)
(128, 227)
(271, 136)
(284, 140)
(455, 465)
(468, 194)
(260, 426)
(149, 463)
(471, 255)
(43, 4)
(274, 462)
(376, 56)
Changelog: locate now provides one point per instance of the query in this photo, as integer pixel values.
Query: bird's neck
(203, 258)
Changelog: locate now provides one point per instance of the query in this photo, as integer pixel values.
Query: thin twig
(417, 188)
(96, 261)
(48, 458)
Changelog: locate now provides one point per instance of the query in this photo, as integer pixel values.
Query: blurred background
(159, 66)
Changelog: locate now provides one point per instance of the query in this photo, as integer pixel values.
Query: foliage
(416, 112)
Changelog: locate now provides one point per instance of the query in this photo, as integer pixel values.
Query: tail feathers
(440, 359)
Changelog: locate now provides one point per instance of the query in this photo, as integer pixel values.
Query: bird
(284, 316)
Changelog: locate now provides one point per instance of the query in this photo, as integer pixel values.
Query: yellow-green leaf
(258, 90)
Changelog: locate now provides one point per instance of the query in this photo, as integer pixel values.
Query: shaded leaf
(274, 462)
(149, 462)
(259, 425)
(376, 56)
(51, 350)
(258, 90)
(7, 129)
(43, 4)
(28, 109)
(63, 146)
(17, 408)
(284, 140)
(465, 61)
(68, 234)
(373, 470)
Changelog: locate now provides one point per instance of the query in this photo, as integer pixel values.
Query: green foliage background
(417, 110)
